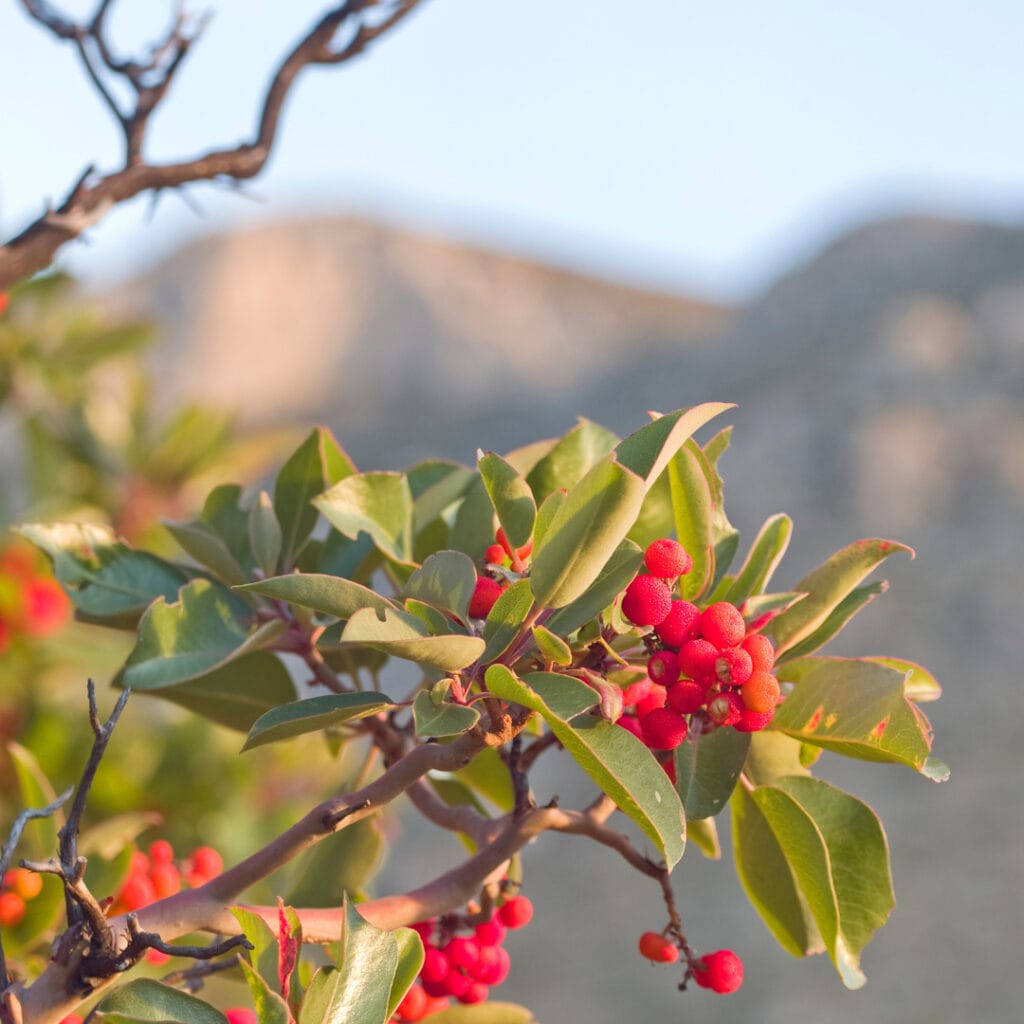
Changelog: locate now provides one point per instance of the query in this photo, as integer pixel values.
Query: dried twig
(358, 23)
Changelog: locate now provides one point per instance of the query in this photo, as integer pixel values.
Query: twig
(361, 22)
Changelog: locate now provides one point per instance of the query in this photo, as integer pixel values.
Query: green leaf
(613, 579)
(655, 519)
(472, 532)
(359, 990)
(329, 595)
(224, 514)
(691, 506)
(445, 719)
(437, 487)
(264, 954)
(109, 837)
(648, 451)
(616, 760)
(403, 636)
(545, 516)
(570, 459)
(707, 767)
(856, 708)
(236, 693)
(591, 523)
(148, 1000)
(199, 540)
(826, 587)
(191, 636)
(446, 581)
(703, 833)
(553, 648)
(765, 554)
(317, 464)
(772, 756)
(265, 536)
(919, 684)
(39, 837)
(511, 497)
(437, 622)
(339, 864)
(767, 878)
(379, 504)
(505, 619)
(270, 1007)
(841, 615)
(484, 1013)
(410, 960)
(313, 714)
(839, 860)
(488, 775)
(108, 581)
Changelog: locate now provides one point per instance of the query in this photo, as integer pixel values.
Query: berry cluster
(721, 971)
(32, 602)
(706, 669)
(462, 967)
(154, 877)
(489, 587)
(20, 886)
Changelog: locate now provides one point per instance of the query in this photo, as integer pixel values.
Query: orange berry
(12, 909)
(166, 880)
(761, 692)
(27, 884)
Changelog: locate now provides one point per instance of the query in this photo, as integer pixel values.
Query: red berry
(647, 601)
(490, 933)
(503, 541)
(654, 699)
(476, 992)
(435, 966)
(206, 862)
(516, 912)
(725, 708)
(72, 1018)
(752, 721)
(12, 909)
(462, 952)
(630, 724)
(485, 593)
(161, 852)
(681, 624)
(722, 971)
(166, 880)
(734, 666)
(240, 1015)
(27, 884)
(664, 729)
(697, 659)
(495, 555)
(139, 864)
(761, 651)
(656, 947)
(686, 697)
(137, 892)
(761, 692)
(413, 1006)
(156, 958)
(493, 966)
(722, 625)
(663, 667)
(455, 984)
(667, 558)
(636, 692)
(424, 929)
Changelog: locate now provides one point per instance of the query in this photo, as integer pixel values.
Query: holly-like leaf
(692, 509)
(313, 714)
(570, 459)
(615, 759)
(317, 464)
(648, 451)
(857, 708)
(149, 1001)
(826, 587)
(446, 581)
(235, 693)
(379, 504)
(839, 859)
(584, 533)
(505, 619)
(443, 719)
(511, 497)
(707, 767)
(405, 636)
(329, 595)
(191, 636)
(358, 990)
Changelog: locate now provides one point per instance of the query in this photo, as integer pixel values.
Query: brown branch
(34, 248)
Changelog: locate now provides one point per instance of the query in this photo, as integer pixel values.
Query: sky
(698, 147)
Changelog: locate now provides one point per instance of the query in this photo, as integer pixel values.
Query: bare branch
(34, 248)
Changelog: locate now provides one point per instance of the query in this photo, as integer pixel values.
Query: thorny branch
(341, 34)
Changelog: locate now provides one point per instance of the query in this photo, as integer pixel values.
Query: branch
(89, 201)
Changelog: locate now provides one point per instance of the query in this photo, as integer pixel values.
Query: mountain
(879, 389)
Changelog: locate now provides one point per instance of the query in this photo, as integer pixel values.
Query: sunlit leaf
(405, 636)
(312, 714)
(511, 496)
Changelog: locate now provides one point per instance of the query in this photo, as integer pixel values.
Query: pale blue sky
(694, 146)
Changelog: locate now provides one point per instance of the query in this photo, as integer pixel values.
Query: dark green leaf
(329, 595)
(707, 767)
(207, 547)
(472, 532)
(505, 619)
(511, 497)
(616, 760)
(312, 714)
(148, 1000)
(265, 537)
(444, 719)
(446, 581)
(338, 865)
(317, 464)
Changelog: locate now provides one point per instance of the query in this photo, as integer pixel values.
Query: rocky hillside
(880, 391)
